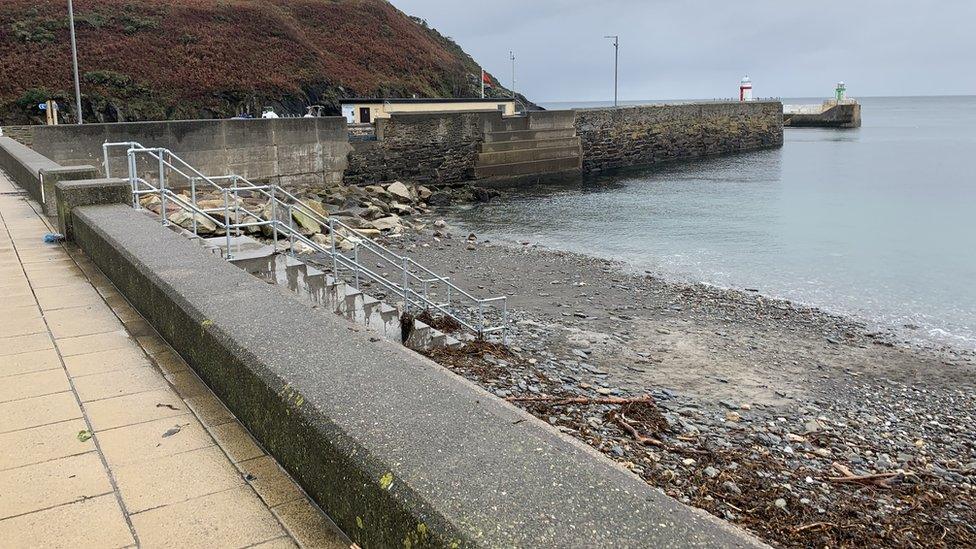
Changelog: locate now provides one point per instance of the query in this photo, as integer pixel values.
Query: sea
(876, 223)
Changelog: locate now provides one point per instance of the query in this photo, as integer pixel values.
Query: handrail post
(274, 218)
(505, 321)
(134, 180)
(237, 208)
(162, 188)
(449, 295)
(291, 230)
(227, 225)
(481, 319)
(193, 198)
(356, 263)
(108, 171)
(406, 286)
(335, 260)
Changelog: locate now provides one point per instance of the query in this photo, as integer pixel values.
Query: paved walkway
(107, 438)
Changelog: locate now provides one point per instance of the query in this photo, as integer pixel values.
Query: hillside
(216, 58)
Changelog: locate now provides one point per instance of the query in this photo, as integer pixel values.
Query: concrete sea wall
(829, 115)
(36, 173)
(396, 449)
(655, 134)
(293, 152)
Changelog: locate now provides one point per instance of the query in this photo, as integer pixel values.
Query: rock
(711, 472)
(324, 240)
(687, 462)
(307, 225)
(400, 190)
(387, 223)
(440, 199)
(401, 209)
(376, 190)
(184, 219)
(423, 192)
(482, 195)
(373, 212)
(731, 487)
(440, 224)
(823, 452)
(316, 206)
(734, 417)
(813, 426)
(368, 233)
(780, 503)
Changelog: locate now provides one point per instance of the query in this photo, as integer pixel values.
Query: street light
(616, 57)
(511, 54)
(74, 62)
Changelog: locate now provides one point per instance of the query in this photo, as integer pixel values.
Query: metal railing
(415, 284)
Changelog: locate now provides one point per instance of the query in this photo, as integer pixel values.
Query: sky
(698, 49)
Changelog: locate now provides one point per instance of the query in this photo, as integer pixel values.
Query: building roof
(378, 101)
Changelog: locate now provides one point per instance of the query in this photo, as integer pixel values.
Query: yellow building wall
(385, 110)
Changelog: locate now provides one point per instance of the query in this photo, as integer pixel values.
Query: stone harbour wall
(435, 148)
(655, 134)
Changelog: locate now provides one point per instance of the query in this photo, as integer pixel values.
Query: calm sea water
(878, 223)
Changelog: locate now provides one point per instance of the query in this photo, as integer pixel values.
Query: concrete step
(528, 168)
(528, 155)
(529, 135)
(503, 146)
(420, 337)
(343, 299)
(242, 248)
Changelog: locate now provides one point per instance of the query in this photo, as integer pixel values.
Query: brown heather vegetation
(144, 60)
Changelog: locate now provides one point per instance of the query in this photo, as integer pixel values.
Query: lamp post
(616, 57)
(74, 62)
(511, 55)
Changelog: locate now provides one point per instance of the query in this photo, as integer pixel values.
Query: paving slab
(52, 483)
(100, 449)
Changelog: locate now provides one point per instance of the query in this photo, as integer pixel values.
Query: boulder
(400, 191)
(316, 206)
(387, 223)
(368, 233)
(423, 192)
(401, 209)
(307, 225)
(184, 219)
(374, 212)
(440, 199)
(482, 195)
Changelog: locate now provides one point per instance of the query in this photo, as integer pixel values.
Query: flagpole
(482, 83)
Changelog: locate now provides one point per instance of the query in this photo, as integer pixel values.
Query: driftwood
(882, 480)
(563, 401)
(622, 421)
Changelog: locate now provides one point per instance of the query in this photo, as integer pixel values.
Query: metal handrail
(281, 198)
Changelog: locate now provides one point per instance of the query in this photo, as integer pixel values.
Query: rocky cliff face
(217, 58)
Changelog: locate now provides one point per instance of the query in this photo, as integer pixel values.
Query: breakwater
(438, 148)
(830, 114)
(657, 134)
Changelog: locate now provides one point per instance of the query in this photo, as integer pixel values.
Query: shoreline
(897, 335)
(747, 407)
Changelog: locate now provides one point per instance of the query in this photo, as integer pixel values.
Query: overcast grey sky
(697, 49)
